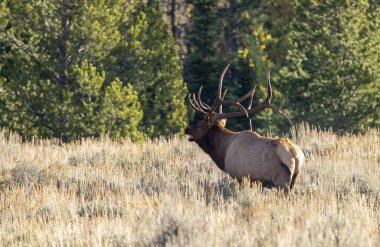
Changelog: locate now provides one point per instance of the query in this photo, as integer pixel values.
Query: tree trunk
(172, 18)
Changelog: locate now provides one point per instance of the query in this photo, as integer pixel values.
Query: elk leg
(294, 178)
(283, 178)
(267, 184)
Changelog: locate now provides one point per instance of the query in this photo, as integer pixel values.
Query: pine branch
(27, 50)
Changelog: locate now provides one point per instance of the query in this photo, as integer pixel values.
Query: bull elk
(276, 162)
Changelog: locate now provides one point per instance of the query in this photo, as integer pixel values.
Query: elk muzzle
(188, 132)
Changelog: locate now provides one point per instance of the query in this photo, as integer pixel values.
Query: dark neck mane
(215, 143)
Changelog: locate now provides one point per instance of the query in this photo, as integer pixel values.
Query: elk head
(213, 119)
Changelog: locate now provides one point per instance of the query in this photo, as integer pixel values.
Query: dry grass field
(169, 193)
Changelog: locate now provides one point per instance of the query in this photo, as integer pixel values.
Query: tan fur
(247, 154)
(288, 153)
(273, 161)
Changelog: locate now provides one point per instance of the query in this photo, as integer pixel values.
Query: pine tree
(54, 83)
(276, 16)
(177, 15)
(204, 64)
(146, 57)
(222, 33)
(333, 73)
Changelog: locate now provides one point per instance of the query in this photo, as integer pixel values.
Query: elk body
(275, 162)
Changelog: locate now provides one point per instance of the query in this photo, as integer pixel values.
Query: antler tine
(221, 106)
(237, 102)
(251, 98)
(241, 99)
(224, 94)
(191, 103)
(278, 111)
(266, 104)
(196, 106)
(203, 105)
(240, 106)
(220, 100)
(269, 97)
(221, 81)
(269, 89)
(219, 93)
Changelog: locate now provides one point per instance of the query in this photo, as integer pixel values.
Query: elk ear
(223, 122)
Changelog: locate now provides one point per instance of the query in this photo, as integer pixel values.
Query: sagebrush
(167, 192)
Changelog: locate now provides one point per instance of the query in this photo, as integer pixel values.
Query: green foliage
(116, 98)
(147, 57)
(53, 86)
(91, 68)
(276, 16)
(177, 15)
(68, 70)
(204, 62)
(230, 33)
(332, 75)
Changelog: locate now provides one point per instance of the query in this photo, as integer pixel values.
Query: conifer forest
(114, 131)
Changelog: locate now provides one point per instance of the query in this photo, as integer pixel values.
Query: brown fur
(213, 144)
(277, 161)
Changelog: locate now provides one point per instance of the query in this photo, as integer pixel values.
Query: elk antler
(197, 104)
(203, 107)
(219, 97)
(249, 110)
(219, 101)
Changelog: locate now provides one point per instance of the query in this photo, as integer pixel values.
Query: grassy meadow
(169, 193)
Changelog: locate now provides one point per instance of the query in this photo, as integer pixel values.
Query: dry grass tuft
(169, 193)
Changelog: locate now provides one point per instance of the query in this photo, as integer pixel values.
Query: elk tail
(287, 158)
